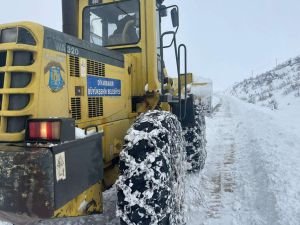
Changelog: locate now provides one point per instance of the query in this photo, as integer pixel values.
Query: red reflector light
(44, 130)
(54, 130)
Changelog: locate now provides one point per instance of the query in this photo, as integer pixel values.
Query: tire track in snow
(234, 185)
(268, 168)
(216, 184)
(224, 181)
(253, 202)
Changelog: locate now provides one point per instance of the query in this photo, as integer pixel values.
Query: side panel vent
(95, 106)
(23, 58)
(95, 68)
(16, 124)
(74, 66)
(3, 58)
(20, 79)
(18, 101)
(1, 80)
(76, 108)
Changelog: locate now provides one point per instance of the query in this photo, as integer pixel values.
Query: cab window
(112, 24)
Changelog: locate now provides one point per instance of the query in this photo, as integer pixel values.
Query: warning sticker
(83, 67)
(60, 165)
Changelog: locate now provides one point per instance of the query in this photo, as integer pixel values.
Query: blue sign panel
(101, 86)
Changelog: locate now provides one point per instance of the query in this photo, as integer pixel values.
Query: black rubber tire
(150, 186)
(195, 138)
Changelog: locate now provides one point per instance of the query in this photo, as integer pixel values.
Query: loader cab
(126, 26)
(112, 24)
(132, 27)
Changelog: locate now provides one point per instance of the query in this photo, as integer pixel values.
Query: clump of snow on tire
(151, 182)
(195, 138)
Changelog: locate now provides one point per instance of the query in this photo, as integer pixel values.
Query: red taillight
(46, 130)
(50, 130)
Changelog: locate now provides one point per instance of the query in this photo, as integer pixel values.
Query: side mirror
(175, 17)
(163, 11)
(168, 37)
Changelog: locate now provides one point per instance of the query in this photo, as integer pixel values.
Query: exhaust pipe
(70, 12)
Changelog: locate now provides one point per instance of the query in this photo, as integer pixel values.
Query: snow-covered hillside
(276, 89)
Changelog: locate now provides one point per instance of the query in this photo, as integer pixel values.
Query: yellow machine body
(57, 67)
(111, 115)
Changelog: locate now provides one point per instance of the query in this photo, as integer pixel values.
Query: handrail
(185, 74)
(178, 62)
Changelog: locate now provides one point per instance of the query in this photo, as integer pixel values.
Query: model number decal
(72, 50)
(94, 2)
(101, 86)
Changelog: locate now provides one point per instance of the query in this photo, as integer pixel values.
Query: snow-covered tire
(151, 182)
(200, 121)
(195, 138)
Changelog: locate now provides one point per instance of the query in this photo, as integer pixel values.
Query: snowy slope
(253, 171)
(276, 89)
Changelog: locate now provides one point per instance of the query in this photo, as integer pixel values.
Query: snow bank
(80, 133)
(5, 223)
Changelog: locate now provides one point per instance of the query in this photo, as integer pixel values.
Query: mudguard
(187, 120)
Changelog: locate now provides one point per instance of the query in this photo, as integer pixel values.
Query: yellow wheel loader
(105, 76)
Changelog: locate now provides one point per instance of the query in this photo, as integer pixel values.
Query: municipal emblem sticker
(56, 82)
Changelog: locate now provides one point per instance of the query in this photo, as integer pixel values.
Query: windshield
(111, 24)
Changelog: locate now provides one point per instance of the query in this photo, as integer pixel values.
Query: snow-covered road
(252, 173)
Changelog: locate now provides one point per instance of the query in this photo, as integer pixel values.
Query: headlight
(17, 35)
(9, 35)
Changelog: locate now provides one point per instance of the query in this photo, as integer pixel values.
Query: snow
(169, 154)
(252, 170)
(202, 89)
(80, 133)
(199, 79)
(5, 223)
(276, 89)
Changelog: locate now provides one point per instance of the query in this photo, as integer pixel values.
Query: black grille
(74, 66)
(1, 80)
(16, 124)
(95, 106)
(14, 78)
(18, 101)
(3, 58)
(23, 58)
(76, 108)
(20, 79)
(1, 86)
(95, 68)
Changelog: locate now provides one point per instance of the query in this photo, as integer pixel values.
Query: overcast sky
(226, 39)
